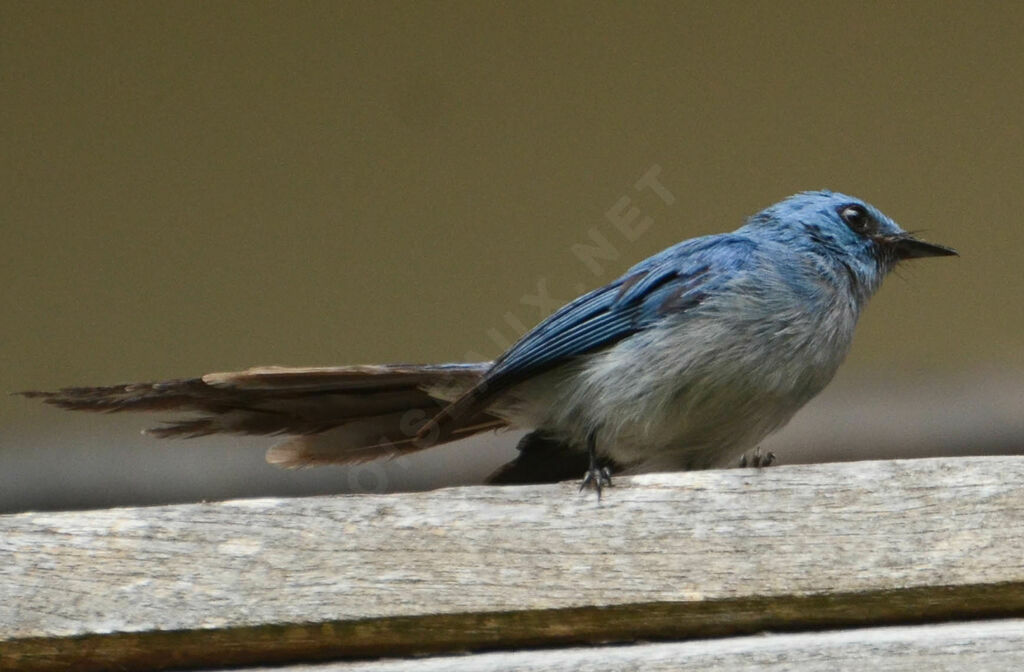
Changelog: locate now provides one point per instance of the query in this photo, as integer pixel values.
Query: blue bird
(686, 361)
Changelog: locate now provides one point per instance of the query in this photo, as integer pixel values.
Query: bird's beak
(908, 247)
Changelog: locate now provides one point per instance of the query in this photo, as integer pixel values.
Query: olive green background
(190, 187)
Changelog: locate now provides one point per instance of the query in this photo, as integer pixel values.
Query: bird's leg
(757, 459)
(597, 476)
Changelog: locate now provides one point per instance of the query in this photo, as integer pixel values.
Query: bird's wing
(674, 281)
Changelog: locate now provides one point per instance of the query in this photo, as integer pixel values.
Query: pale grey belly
(675, 407)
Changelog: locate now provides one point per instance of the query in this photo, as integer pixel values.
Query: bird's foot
(757, 459)
(597, 477)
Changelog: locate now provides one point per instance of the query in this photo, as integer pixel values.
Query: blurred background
(194, 187)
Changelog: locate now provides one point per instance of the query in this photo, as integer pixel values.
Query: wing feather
(675, 281)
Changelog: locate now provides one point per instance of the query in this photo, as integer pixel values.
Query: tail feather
(336, 414)
(162, 396)
(373, 438)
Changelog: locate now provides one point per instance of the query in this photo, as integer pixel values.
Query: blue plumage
(674, 281)
(697, 353)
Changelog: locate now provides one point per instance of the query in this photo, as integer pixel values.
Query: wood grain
(663, 556)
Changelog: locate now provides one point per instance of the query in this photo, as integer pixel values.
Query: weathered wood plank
(981, 645)
(662, 556)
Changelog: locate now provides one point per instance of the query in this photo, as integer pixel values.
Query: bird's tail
(333, 415)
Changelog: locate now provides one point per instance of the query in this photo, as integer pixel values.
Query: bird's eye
(855, 217)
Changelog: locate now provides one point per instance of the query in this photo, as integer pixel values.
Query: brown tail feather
(338, 414)
(365, 440)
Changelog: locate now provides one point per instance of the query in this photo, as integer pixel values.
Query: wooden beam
(662, 556)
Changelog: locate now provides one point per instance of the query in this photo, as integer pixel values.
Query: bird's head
(831, 223)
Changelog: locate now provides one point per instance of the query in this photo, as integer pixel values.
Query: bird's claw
(758, 459)
(597, 478)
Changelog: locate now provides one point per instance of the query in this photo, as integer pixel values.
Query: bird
(686, 361)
